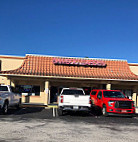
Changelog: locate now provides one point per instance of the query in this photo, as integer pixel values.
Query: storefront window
(29, 90)
(87, 90)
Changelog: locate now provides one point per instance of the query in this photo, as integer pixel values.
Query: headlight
(110, 103)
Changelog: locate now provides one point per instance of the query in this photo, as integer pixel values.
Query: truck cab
(112, 102)
(9, 98)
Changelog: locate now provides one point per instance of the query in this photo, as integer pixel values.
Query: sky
(73, 28)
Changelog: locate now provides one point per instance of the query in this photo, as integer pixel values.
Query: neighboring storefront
(41, 78)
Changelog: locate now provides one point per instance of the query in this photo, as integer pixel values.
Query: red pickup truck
(112, 102)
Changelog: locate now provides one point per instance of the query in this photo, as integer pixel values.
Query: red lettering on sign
(79, 62)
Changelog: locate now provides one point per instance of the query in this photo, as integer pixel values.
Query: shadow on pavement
(29, 112)
(99, 119)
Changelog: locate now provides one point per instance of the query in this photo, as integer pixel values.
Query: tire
(104, 111)
(60, 112)
(18, 106)
(5, 108)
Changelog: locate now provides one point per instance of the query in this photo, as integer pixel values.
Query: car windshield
(72, 92)
(113, 94)
(3, 88)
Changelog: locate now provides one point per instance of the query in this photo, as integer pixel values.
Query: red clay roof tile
(44, 66)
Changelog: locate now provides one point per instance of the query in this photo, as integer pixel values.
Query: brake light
(61, 99)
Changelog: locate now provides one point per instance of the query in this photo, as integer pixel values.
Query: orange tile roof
(44, 66)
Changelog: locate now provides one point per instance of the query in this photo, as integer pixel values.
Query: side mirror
(99, 97)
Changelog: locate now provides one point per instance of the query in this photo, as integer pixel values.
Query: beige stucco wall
(3, 80)
(10, 63)
(134, 68)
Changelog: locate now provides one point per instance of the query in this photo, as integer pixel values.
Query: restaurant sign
(78, 62)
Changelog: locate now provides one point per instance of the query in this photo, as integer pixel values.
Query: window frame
(100, 94)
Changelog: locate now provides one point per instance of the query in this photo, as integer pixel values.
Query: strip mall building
(41, 78)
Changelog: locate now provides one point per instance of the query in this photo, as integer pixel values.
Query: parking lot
(38, 125)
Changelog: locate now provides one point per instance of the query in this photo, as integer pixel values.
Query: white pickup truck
(73, 99)
(9, 98)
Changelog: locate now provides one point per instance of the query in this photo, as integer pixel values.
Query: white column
(8, 82)
(134, 95)
(108, 86)
(46, 92)
(12, 84)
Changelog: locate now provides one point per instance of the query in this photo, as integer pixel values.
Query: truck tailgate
(76, 100)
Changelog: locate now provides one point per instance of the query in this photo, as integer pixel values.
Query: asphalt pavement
(39, 125)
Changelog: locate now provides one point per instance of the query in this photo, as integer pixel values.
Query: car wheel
(104, 111)
(5, 108)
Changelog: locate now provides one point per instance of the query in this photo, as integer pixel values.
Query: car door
(11, 96)
(93, 97)
(99, 99)
(14, 96)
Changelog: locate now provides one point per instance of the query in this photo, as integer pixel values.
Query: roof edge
(77, 57)
(69, 77)
(133, 64)
(12, 57)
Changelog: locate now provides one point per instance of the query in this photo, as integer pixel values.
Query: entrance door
(53, 94)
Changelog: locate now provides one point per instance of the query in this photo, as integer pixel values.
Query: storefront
(41, 78)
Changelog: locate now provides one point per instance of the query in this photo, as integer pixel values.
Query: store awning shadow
(26, 110)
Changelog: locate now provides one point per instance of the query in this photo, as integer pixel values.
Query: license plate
(123, 110)
(75, 107)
